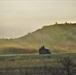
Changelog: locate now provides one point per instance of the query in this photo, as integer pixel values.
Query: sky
(19, 17)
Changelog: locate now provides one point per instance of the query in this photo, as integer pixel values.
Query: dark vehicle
(43, 50)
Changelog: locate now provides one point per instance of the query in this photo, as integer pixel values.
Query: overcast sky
(18, 17)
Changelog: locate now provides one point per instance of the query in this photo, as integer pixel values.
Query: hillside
(58, 37)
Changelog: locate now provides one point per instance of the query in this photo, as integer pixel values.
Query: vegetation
(34, 64)
(57, 37)
(68, 65)
(20, 56)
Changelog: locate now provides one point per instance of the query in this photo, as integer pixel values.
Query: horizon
(18, 18)
(56, 23)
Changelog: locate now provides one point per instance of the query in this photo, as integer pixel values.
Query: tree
(67, 64)
(56, 23)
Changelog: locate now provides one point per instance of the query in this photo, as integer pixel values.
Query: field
(57, 38)
(34, 64)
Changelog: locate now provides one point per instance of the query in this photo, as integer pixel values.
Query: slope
(58, 38)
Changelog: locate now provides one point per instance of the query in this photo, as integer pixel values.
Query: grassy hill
(58, 38)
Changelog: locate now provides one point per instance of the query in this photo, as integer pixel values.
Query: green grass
(58, 38)
(20, 56)
(33, 64)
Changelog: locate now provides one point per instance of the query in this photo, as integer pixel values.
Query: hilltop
(57, 37)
